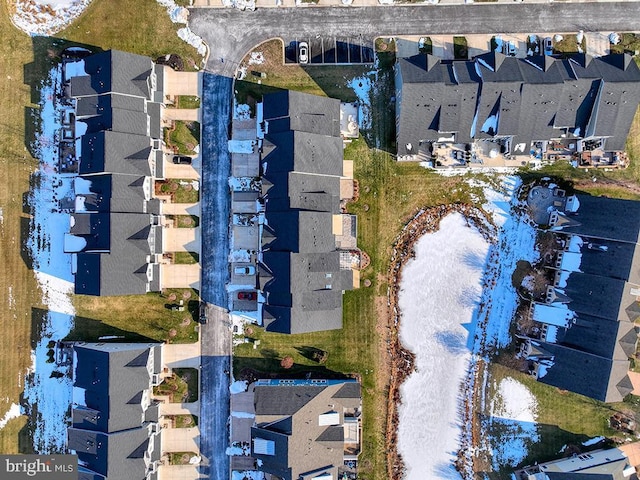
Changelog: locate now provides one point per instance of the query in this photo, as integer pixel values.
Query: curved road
(231, 33)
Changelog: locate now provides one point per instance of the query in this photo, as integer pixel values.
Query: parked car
(182, 159)
(548, 46)
(247, 295)
(512, 49)
(249, 270)
(303, 52)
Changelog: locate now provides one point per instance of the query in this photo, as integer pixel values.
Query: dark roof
(304, 152)
(116, 456)
(608, 258)
(598, 336)
(288, 110)
(114, 71)
(606, 218)
(437, 99)
(116, 193)
(305, 291)
(115, 152)
(529, 99)
(114, 375)
(122, 270)
(113, 112)
(594, 295)
(587, 374)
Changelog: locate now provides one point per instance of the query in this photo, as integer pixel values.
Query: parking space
(330, 50)
(182, 240)
(188, 171)
(243, 274)
(180, 276)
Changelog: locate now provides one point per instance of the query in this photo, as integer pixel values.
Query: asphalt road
(231, 33)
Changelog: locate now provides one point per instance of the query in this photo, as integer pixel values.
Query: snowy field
(46, 17)
(439, 293)
(49, 398)
(457, 303)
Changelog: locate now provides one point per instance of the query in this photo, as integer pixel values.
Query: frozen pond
(440, 290)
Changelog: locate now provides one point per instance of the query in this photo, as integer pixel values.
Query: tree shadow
(312, 353)
(254, 368)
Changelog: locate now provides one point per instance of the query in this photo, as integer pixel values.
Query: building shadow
(255, 368)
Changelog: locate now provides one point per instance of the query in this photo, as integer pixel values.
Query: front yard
(183, 137)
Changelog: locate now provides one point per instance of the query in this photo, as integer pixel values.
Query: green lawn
(181, 191)
(185, 258)
(564, 418)
(184, 421)
(137, 317)
(188, 101)
(569, 44)
(460, 49)
(629, 42)
(183, 138)
(184, 221)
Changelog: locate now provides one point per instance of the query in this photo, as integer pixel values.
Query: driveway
(177, 472)
(180, 276)
(183, 355)
(181, 440)
(231, 33)
(182, 83)
(181, 239)
(181, 209)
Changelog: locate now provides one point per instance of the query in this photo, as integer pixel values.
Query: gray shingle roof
(114, 71)
(531, 98)
(115, 152)
(289, 110)
(309, 447)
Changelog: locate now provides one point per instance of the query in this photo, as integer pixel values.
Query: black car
(182, 159)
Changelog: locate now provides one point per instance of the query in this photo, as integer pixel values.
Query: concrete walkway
(180, 409)
(169, 208)
(186, 114)
(178, 472)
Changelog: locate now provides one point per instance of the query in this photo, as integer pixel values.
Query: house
(611, 464)
(114, 428)
(540, 107)
(302, 271)
(307, 429)
(112, 138)
(583, 330)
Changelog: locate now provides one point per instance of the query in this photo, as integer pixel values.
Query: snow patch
(247, 475)
(238, 386)
(177, 14)
(592, 441)
(243, 415)
(514, 411)
(362, 88)
(39, 17)
(13, 412)
(438, 295)
(48, 397)
(256, 58)
(192, 39)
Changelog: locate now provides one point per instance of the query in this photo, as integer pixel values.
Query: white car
(303, 52)
(248, 270)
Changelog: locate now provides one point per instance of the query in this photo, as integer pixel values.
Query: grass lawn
(188, 101)
(184, 221)
(183, 138)
(137, 317)
(181, 386)
(460, 49)
(319, 80)
(25, 62)
(185, 258)
(629, 42)
(181, 191)
(569, 44)
(180, 458)
(564, 418)
(184, 421)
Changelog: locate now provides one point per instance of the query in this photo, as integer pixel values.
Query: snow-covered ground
(440, 289)
(457, 303)
(512, 423)
(46, 17)
(362, 88)
(49, 398)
